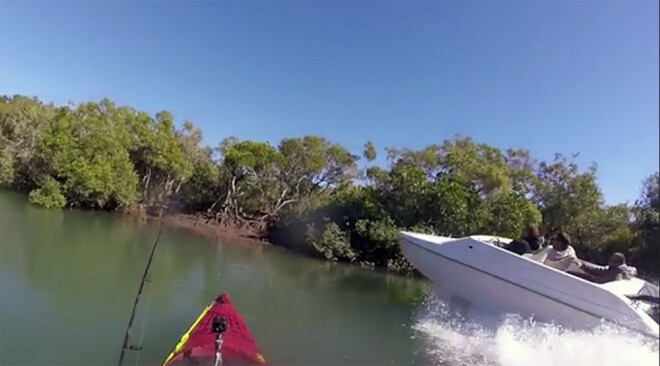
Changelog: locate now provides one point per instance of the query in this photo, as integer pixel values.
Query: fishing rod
(127, 335)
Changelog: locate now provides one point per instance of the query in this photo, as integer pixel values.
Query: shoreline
(211, 229)
(216, 232)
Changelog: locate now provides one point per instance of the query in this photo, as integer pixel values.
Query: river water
(68, 280)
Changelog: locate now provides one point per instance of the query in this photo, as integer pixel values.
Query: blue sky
(552, 76)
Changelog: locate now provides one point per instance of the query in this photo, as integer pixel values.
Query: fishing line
(144, 323)
(137, 297)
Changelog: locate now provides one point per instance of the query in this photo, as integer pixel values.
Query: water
(487, 340)
(68, 279)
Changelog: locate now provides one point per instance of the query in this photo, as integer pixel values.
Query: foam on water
(481, 340)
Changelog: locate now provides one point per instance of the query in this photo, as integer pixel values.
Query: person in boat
(530, 242)
(561, 255)
(616, 269)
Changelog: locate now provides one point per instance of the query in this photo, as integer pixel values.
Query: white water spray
(481, 340)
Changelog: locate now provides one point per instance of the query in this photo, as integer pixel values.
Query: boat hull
(492, 280)
(198, 345)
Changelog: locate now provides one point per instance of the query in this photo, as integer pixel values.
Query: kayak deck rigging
(219, 336)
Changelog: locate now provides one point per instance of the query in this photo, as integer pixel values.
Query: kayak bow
(218, 336)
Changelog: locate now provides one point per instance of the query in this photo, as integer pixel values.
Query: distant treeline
(311, 194)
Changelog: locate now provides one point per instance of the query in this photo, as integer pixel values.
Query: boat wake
(480, 339)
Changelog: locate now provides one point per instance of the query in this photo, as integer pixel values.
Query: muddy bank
(214, 230)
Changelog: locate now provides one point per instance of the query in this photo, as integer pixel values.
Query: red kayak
(219, 336)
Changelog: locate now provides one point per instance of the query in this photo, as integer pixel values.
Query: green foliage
(650, 193)
(250, 155)
(462, 188)
(6, 166)
(102, 155)
(566, 197)
(399, 264)
(302, 192)
(646, 226)
(48, 195)
(479, 166)
(22, 124)
(274, 182)
(164, 157)
(369, 151)
(377, 240)
(82, 152)
(507, 214)
(201, 190)
(332, 243)
(448, 207)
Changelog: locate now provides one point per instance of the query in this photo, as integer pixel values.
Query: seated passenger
(534, 238)
(616, 269)
(528, 243)
(562, 255)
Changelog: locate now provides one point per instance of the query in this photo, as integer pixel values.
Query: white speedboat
(476, 271)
